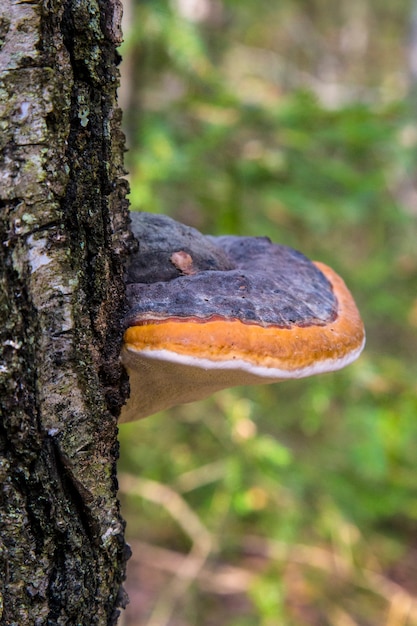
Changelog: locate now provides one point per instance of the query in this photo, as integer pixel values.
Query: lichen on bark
(64, 236)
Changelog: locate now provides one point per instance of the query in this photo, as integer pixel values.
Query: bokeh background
(293, 504)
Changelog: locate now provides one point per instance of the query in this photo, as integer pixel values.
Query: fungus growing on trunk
(209, 313)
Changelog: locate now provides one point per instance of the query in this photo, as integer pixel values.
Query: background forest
(292, 504)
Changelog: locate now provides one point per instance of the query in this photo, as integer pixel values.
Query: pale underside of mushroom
(209, 313)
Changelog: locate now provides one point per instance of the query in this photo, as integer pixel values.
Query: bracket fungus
(214, 312)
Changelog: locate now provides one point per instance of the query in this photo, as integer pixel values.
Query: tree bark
(64, 237)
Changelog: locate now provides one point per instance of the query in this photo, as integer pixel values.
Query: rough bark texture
(64, 236)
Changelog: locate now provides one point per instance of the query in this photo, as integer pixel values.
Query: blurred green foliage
(308, 487)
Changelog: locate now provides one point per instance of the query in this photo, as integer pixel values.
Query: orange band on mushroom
(271, 347)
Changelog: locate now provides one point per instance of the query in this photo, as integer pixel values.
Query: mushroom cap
(216, 312)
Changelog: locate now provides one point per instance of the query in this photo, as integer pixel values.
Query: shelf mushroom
(209, 313)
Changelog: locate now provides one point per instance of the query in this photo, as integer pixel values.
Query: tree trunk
(64, 236)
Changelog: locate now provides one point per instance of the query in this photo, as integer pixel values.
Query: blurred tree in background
(292, 504)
